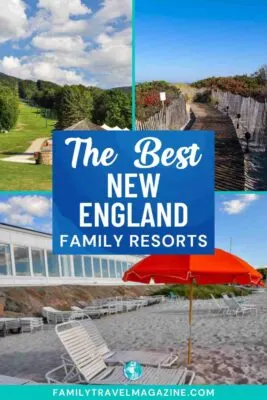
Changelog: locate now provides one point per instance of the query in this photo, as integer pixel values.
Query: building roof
(21, 228)
(85, 125)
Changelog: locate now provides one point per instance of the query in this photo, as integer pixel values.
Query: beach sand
(226, 349)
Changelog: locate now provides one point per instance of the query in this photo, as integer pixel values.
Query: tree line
(70, 103)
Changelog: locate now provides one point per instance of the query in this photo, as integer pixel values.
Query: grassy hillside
(30, 126)
(27, 177)
(17, 176)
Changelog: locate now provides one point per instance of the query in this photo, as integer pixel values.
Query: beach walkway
(229, 158)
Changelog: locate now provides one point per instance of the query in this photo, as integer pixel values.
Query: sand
(226, 349)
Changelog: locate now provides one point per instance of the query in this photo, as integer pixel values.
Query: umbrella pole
(190, 324)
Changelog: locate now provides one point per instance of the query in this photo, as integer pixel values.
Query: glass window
(5, 260)
(124, 266)
(65, 265)
(22, 261)
(78, 268)
(38, 262)
(97, 270)
(112, 269)
(88, 266)
(118, 269)
(105, 268)
(53, 264)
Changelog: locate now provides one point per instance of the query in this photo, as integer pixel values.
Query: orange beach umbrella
(218, 268)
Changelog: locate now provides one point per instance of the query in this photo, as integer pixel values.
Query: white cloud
(36, 69)
(25, 210)
(37, 206)
(240, 204)
(113, 9)
(71, 44)
(111, 61)
(4, 208)
(19, 219)
(68, 51)
(13, 19)
(61, 10)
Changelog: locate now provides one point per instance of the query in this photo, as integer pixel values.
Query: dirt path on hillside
(27, 156)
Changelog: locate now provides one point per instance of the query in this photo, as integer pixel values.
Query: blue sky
(242, 217)
(183, 41)
(68, 42)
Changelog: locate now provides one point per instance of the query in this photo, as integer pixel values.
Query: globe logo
(132, 370)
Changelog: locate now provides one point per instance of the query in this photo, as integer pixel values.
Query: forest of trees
(9, 107)
(69, 104)
(254, 85)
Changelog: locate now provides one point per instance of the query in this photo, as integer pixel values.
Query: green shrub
(9, 108)
(148, 97)
(202, 292)
(113, 107)
(245, 85)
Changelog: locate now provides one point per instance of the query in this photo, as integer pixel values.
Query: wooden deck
(229, 158)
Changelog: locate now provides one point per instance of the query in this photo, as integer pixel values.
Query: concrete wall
(174, 117)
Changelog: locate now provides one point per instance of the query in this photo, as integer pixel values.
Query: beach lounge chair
(85, 313)
(221, 309)
(54, 316)
(8, 325)
(97, 309)
(235, 308)
(111, 357)
(88, 366)
(31, 324)
(10, 380)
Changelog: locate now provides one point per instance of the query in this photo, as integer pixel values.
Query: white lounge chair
(30, 324)
(84, 313)
(96, 309)
(54, 316)
(9, 325)
(221, 309)
(88, 366)
(148, 358)
(235, 308)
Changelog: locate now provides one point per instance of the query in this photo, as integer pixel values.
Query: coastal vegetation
(202, 292)
(254, 85)
(148, 97)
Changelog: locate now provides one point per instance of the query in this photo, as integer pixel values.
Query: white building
(26, 259)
